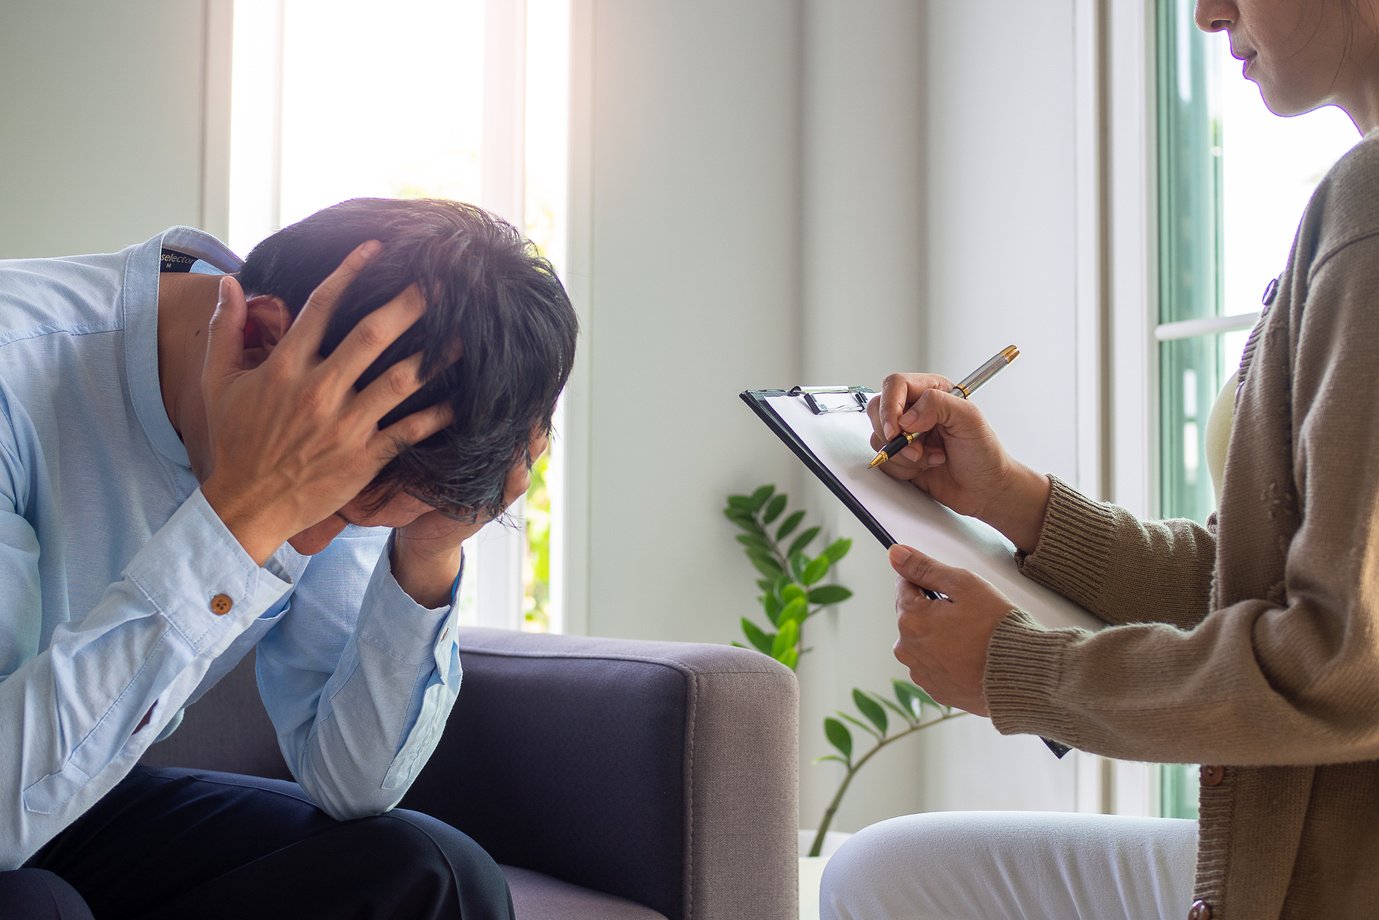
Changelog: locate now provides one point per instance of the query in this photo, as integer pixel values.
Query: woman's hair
(487, 290)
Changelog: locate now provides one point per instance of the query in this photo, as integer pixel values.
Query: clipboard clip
(823, 400)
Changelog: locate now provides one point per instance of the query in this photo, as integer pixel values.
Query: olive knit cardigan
(1252, 644)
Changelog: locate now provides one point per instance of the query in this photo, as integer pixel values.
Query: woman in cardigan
(1250, 645)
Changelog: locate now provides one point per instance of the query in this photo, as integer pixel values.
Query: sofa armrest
(665, 773)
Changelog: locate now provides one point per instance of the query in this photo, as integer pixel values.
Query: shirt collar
(139, 306)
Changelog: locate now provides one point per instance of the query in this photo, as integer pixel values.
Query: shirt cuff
(201, 580)
(397, 625)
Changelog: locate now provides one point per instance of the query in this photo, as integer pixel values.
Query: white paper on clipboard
(839, 443)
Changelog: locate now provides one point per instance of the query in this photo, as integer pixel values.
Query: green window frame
(1190, 367)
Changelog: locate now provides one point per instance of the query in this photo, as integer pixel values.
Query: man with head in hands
(199, 457)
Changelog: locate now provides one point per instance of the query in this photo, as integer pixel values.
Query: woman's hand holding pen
(958, 460)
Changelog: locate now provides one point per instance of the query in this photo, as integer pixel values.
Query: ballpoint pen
(965, 389)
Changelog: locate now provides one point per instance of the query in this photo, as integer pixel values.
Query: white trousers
(1013, 866)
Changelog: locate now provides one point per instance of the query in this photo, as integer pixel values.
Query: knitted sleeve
(1121, 568)
(1282, 670)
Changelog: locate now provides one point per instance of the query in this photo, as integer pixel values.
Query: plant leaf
(757, 636)
(815, 570)
(742, 519)
(740, 502)
(802, 541)
(790, 592)
(790, 659)
(833, 757)
(754, 541)
(773, 509)
(787, 527)
(903, 713)
(862, 725)
(771, 606)
(829, 594)
(839, 736)
(838, 549)
(911, 697)
(758, 498)
(766, 585)
(870, 708)
(765, 564)
(797, 563)
(786, 640)
(793, 612)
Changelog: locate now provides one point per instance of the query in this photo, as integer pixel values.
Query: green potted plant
(793, 590)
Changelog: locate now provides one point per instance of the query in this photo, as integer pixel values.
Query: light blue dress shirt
(110, 560)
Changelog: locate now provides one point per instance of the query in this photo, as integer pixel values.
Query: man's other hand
(426, 552)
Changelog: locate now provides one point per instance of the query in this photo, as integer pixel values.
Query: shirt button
(1201, 910)
(221, 604)
(1213, 775)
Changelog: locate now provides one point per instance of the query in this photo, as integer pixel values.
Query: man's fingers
(415, 428)
(225, 336)
(389, 389)
(372, 335)
(310, 325)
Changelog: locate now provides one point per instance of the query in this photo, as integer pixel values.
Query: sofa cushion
(540, 897)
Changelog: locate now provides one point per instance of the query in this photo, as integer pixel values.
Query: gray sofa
(612, 779)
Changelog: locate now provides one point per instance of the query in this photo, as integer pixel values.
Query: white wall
(864, 262)
(818, 192)
(102, 118)
(692, 295)
(1003, 271)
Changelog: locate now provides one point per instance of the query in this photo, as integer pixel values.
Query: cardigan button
(221, 604)
(1213, 775)
(1201, 910)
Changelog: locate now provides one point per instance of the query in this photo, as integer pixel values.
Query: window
(1233, 182)
(463, 99)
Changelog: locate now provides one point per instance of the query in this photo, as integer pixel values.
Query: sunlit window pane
(380, 100)
(1269, 168)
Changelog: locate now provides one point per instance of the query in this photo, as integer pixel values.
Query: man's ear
(266, 324)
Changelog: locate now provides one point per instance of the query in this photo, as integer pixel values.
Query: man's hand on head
(426, 552)
(291, 440)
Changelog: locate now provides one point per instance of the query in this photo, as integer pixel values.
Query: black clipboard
(822, 401)
(818, 400)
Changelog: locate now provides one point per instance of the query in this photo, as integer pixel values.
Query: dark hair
(486, 287)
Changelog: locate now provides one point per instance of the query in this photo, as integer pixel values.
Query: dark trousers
(172, 844)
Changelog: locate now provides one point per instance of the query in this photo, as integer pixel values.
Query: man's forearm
(427, 577)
